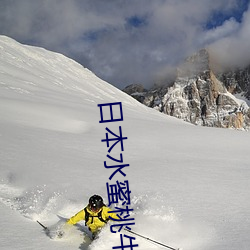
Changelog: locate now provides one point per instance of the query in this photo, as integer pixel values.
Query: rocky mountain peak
(200, 96)
(196, 64)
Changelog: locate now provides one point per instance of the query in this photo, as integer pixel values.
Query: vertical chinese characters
(118, 191)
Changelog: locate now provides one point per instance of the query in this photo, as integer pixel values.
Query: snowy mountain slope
(190, 185)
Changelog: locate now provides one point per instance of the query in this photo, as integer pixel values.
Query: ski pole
(45, 228)
(159, 243)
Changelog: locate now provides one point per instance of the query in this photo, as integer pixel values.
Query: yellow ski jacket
(93, 223)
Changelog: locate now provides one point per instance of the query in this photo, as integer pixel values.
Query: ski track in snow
(149, 209)
(37, 204)
(32, 204)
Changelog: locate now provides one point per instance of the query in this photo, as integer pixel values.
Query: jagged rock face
(204, 102)
(199, 97)
(134, 88)
(237, 81)
(137, 91)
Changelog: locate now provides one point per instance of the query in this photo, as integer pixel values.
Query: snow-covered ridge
(33, 74)
(34, 66)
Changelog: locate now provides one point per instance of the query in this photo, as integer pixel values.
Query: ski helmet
(95, 202)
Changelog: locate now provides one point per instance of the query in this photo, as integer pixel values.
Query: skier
(95, 215)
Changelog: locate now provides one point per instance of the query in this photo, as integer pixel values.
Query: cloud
(228, 28)
(233, 49)
(124, 42)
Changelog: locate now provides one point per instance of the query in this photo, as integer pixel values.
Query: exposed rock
(201, 97)
(237, 81)
(133, 88)
(137, 91)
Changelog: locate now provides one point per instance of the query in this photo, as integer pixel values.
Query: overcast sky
(131, 41)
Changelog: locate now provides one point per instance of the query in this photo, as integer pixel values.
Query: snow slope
(190, 185)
